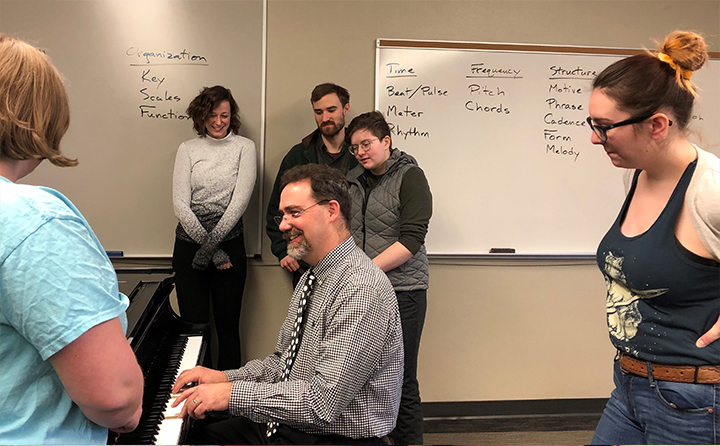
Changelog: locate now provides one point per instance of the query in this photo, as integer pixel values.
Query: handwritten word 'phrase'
(424, 90)
(480, 68)
(554, 104)
(182, 56)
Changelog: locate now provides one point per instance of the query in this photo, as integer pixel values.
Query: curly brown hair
(207, 101)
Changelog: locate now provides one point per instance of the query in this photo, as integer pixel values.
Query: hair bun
(686, 49)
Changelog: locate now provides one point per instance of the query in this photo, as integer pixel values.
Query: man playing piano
(336, 373)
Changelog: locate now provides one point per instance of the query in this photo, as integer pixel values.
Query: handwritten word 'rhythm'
(412, 132)
(161, 56)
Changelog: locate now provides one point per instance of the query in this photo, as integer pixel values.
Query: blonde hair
(34, 108)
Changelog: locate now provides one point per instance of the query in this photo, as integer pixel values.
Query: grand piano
(164, 345)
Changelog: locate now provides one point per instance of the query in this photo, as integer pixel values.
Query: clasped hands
(212, 392)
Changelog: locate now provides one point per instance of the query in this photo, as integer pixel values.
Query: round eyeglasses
(279, 218)
(364, 145)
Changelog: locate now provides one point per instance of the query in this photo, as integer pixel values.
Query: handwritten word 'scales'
(153, 98)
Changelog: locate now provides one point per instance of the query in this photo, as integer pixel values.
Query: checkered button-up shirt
(347, 376)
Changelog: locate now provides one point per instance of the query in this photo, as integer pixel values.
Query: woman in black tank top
(660, 263)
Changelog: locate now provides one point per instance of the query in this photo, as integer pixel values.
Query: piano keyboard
(171, 425)
(164, 344)
(159, 423)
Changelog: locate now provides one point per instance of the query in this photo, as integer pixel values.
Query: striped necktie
(295, 338)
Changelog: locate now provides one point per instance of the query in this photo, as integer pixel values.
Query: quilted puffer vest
(375, 225)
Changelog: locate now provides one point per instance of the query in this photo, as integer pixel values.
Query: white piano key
(169, 432)
(170, 427)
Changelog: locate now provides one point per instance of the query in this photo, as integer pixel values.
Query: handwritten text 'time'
(395, 70)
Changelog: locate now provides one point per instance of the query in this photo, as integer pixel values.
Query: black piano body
(158, 337)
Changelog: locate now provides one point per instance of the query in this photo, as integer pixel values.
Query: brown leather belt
(704, 374)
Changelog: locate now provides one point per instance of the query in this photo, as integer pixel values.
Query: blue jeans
(646, 411)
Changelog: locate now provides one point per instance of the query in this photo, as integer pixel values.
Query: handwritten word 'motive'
(165, 56)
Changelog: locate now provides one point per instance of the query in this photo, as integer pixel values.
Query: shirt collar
(340, 252)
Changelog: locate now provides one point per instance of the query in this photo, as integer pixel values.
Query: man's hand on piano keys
(204, 398)
(198, 375)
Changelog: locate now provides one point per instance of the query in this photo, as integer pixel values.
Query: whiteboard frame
(409, 44)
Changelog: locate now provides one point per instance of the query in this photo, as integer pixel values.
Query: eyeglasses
(279, 218)
(601, 130)
(364, 145)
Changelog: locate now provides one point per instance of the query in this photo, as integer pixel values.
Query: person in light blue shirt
(67, 373)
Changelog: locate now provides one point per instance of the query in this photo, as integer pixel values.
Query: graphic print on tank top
(623, 315)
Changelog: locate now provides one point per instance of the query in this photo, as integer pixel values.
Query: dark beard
(333, 130)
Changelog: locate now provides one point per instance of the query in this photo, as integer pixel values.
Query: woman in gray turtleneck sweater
(213, 180)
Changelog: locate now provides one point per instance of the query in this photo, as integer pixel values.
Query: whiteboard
(131, 68)
(500, 131)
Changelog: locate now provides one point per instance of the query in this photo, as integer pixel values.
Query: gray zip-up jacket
(375, 222)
